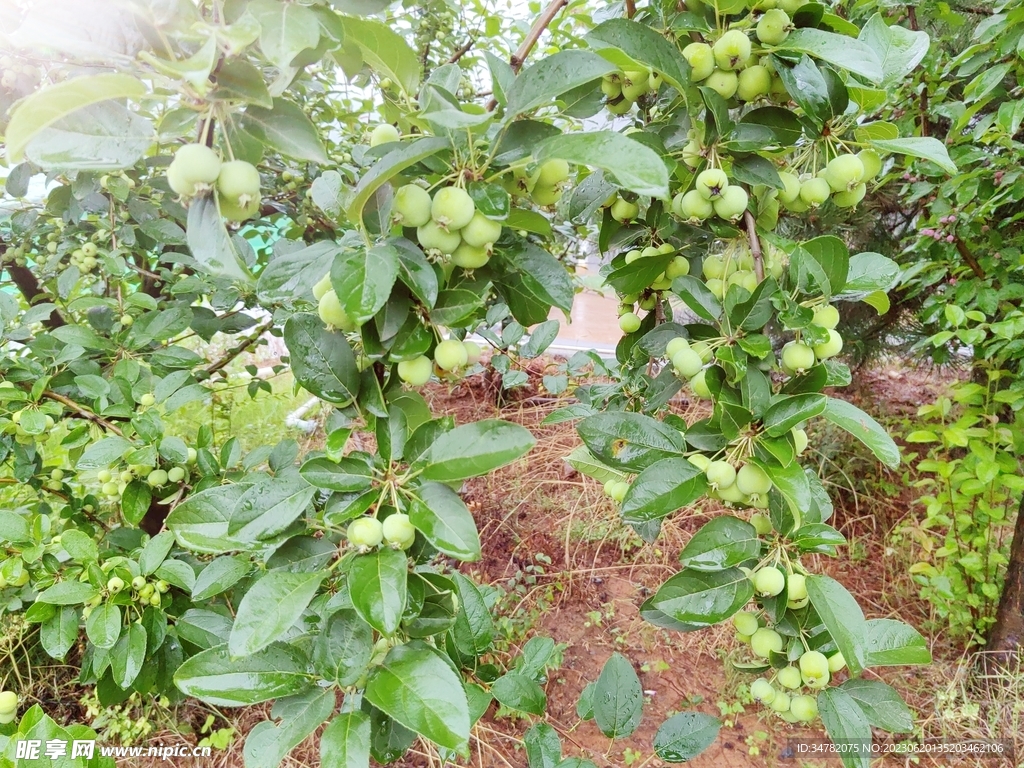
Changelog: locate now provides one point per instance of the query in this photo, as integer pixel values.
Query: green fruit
(126, 320)
(699, 460)
(616, 490)
(473, 352)
(384, 134)
(678, 267)
(764, 641)
(753, 480)
(481, 232)
(814, 667)
(544, 195)
(699, 386)
(799, 440)
(155, 600)
(147, 400)
(193, 454)
(623, 210)
(702, 349)
(850, 198)
(720, 474)
(452, 208)
(791, 187)
(398, 531)
(836, 662)
(238, 182)
(815, 191)
(323, 286)
(450, 354)
(713, 267)
(830, 348)
(712, 183)
(115, 584)
(804, 708)
(411, 207)
(138, 582)
(773, 27)
(620, 106)
(687, 364)
(635, 84)
(796, 587)
(769, 581)
(611, 88)
(701, 59)
(175, 474)
(109, 489)
(8, 702)
(732, 49)
(792, 6)
(365, 533)
(157, 478)
(693, 153)
(676, 345)
(754, 83)
(826, 316)
(789, 677)
(797, 357)
(745, 623)
(732, 203)
(761, 690)
(195, 167)
(434, 239)
(723, 82)
(629, 323)
(553, 172)
(781, 702)
(332, 313)
(744, 278)
(416, 372)
(844, 172)
(872, 163)
(146, 591)
(654, 82)
(693, 206)
(469, 257)
(163, 587)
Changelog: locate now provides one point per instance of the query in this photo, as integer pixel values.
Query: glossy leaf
(475, 449)
(881, 704)
(846, 725)
(661, 489)
(643, 45)
(217, 678)
(685, 735)
(540, 83)
(893, 643)
(270, 608)
(842, 617)
(345, 742)
(322, 361)
(722, 542)
(633, 165)
(378, 585)
(221, 574)
(517, 691)
(445, 521)
(700, 599)
(630, 440)
(363, 278)
(618, 698)
(787, 412)
(864, 428)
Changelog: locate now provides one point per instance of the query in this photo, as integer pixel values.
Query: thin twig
(972, 262)
(519, 57)
(84, 412)
(630, 8)
(30, 288)
(235, 351)
(462, 51)
(755, 245)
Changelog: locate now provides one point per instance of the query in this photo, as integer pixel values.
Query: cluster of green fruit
(735, 266)
(144, 591)
(8, 707)
(20, 433)
(712, 195)
(84, 258)
(647, 299)
(844, 178)
(451, 358)
(448, 226)
(798, 357)
(621, 209)
(623, 89)
(368, 533)
(747, 486)
(543, 185)
(113, 485)
(196, 169)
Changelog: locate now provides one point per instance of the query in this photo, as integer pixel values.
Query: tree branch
(30, 288)
(84, 412)
(972, 262)
(519, 57)
(462, 51)
(235, 351)
(755, 245)
(630, 8)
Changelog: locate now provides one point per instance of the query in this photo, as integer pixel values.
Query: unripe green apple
(147, 400)
(792, 6)
(799, 440)
(469, 257)
(678, 267)
(616, 490)
(693, 153)
(126, 320)
(720, 474)
(434, 239)
(163, 587)
(239, 183)
(699, 386)
(384, 134)
(699, 460)
(731, 495)
(109, 489)
(814, 667)
(155, 600)
(744, 278)
(648, 302)
(701, 59)
(687, 363)
(836, 662)
(693, 206)
(138, 582)
(481, 232)
(732, 203)
(452, 208)
(635, 84)
(115, 584)
(797, 357)
(791, 187)
(676, 345)
(830, 348)
(146, 591)
(654, 81)
(826, 316)
(629, 322)
(611, 88)
(702, 349)
(473, 352)
(769, 581)
(754, 83)
(365, 532)
(713, 267)
(872, 163)
(781, 702)
(814, 191)
(8, 702)
(411, 207)
(194, 167)
(732, 49)
(333, 314)
(844, 172)
(157, 478)
(624, 211)
(450, 355)
(723, 82)
(193, 454)
(796, 587)
(322, 286)
(851, 197)
(416, 372)
(175, 474)
(553, 172)
(753, 480)
(804, 708)
(745, 623)
(789, 677)
(711, 183)
(398, 531)
(773, 27)
(761, 690)
(764, 641)
(619, 106)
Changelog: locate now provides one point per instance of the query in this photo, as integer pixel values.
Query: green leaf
(926, 148)
(697, 297)
(723, 542)
(268, 743)
(135, 501)
(899, 50)
(270, 608)
(345, 742)
(618, 698)
(541, 83)
(864, 428)
(216, 678)
(322, 360)
(155, 552)
(847, 726)
(292, 275)
(268, 507)
(517, 691)
(14, 528)
(67, 593)
(286, 128)
(419, 690)
(643, 45)
(846, 52)
(700, 599)
(385, 51)
(406, 153)
(630, 441)
(474, 628)
(443, 519)
(633, 165)
(684, 736)
(842, 617)
(220, 575)
(661, 489)
(532, 281)
(54, 102)
(287, 29)
(128, 656)
(59, 632)
(363, 279)
(211, 245)
(100, 137)
(881, 704)
(893, 643)
(347, 475)
(343, 648)
(543, 747)
(870, 272)
(475, 449)
(103, 626)
(103, 453)
(378, 582)
(787, 412)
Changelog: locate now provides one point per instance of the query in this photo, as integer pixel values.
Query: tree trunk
(1006, 638)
